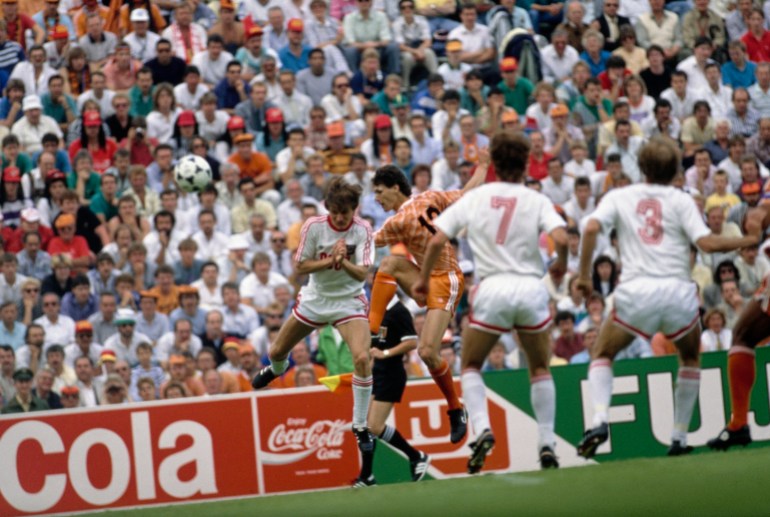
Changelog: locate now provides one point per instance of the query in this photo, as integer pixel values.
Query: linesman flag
(338, 383)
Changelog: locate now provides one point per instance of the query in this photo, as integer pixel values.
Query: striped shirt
(10, 54)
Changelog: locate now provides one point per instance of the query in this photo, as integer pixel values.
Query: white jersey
(317, 240)
(655, 226)
(504, 222)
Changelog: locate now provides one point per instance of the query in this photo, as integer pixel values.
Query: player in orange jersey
(411, 225)
(752, 328)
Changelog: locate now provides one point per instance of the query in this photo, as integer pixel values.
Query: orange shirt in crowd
(258, 166)
(80, 19)
(167, 302)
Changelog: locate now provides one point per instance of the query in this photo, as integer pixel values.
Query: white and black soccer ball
(192, 173)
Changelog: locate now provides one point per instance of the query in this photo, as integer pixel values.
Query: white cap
(31, 102)
(237, 242)
(125, 316)
(466, 266)
(31, 215)
(140, 15)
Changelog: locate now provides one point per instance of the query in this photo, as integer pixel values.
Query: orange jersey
(412, 226)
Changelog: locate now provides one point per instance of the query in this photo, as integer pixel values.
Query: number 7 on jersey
(508, 204)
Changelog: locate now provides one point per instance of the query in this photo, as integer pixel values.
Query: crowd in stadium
(116, 285)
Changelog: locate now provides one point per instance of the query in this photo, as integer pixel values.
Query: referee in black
(396, 338)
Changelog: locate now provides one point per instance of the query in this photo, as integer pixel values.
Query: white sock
(685, 396)
(279, 367)
(475, 398)
(543, 396)
(362, 392)
(600, 380)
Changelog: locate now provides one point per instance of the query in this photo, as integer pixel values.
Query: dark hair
(604, 259)
(510, 155)
(390, 175)
(679, 73)
(80, 280)
(165, 268)
(582, 181)
(564, 316)
(729, 264)
(164, 213)
(341, 195)
(662, 103)
(451, 95)
(616, 62)
(54, 349)
(703, 104)
(659, 161)
(650, 49)
(49, 138)
(316, 51)
(102, 137)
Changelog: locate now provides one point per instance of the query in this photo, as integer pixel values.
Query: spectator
(757, 37)
(367, 28)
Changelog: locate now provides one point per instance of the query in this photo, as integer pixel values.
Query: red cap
(92, 118)
(186, 118)
(295, 25)
(12, 175)
(58, 32)
(274, 115)
(236, 122)
(336, 128)
(382, 121)
(255, 30)
(55, 175)
(107, 355)
(83, 326)
(509, 64)
(751, 188)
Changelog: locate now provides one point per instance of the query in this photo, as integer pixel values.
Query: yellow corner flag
(338, 383)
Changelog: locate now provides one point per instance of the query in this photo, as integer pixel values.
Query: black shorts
(389, 383)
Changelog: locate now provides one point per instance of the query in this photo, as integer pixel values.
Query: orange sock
(443, 378)
(741, 373)
(382, 292)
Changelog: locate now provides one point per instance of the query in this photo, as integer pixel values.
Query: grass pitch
(729, 484)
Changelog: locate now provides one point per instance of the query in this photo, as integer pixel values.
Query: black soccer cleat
(677, 449)
(420, 466)
(364, 438)
(263, 377)
(727, 438)
(592, 439)
(480, 448)
(458, 420)
(364, 483)
(548, 459)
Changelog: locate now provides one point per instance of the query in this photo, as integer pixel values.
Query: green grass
(734, 483)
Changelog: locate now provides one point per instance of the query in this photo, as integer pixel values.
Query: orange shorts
(446, 288)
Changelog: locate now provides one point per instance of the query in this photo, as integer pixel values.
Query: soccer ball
(192, 173)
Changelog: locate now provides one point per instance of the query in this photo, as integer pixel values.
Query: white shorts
(504, 302)
(644, 306)
(317, 311)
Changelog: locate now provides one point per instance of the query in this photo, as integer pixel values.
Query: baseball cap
(231, 343)
(510, 116)
(31, 102)
(295, 25)
(382, 121)
(336, 128)
(83, 326)
(70, 390)
(454, 46)
(92, 118)
(255, 30)
(186, 118)
(560, 110)
(59, 32)
(107, 356)
(246, 137)
(274, 115)
(140, 15)
(65, 220)
(31, 215)
(12, 175)
(509, 64)
(226, 4)
(237, 242)
(55, 175)
(751, 188)
(399, 101)
(148, 294)
(125, 317)
(23, 374)
(236, 122)
(186, 289)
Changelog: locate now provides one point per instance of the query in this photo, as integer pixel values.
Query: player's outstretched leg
(290, 334)
(611, 339)
(752, 327)
(686, 390)
(384, 288)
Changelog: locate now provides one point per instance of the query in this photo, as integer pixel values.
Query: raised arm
(480, 173)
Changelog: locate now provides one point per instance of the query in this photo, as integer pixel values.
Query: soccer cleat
(419, 467)
(364, 483)
(592, 439)
(480, 448)
(263, 377)
(458, 420)
(677, 449)
(364, 438)
(727, 438)
(548, 459)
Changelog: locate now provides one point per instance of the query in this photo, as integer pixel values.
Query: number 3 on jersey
(508, 204)
(651, 214)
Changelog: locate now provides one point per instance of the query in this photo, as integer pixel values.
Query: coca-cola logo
(295, 440)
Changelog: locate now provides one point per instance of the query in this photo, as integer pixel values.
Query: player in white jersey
(336, 250)
(655, 224)
(504, 221)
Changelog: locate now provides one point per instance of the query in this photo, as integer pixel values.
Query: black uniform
(389, 374)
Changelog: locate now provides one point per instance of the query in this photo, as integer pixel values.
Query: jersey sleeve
(455, 218)
(549, 218)
(606, 213)
(307, 242)
(692, 222)
(444, 199)
(389, 233)
(365, 246)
